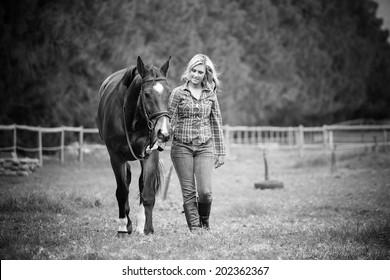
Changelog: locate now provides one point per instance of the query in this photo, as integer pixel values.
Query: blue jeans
(194, 165)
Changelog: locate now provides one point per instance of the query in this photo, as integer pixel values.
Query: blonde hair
(211, 75)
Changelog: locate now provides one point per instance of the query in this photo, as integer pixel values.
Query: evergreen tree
(283, 62)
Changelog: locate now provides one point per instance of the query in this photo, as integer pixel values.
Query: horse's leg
(151, 179)
(123, 178)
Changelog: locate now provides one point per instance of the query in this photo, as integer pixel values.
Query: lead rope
(127, 136)
(149, 122)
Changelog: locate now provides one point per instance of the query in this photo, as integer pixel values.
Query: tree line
(282, 62)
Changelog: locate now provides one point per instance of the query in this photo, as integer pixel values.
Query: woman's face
(196, 75)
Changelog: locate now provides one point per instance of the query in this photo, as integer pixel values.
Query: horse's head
(154, 97)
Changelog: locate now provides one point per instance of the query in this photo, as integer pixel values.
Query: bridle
(151, 118)
(148, 116)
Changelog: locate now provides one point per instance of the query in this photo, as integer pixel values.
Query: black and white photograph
(252, 133)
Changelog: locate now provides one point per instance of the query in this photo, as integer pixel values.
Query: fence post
(15, 140)
(301, 140)
(62, 145)
(259, 136)
(331, 144)
(333, 167)
(375, 147)
(40, 146)
(325, 137)
(290, 141)
(81, 143)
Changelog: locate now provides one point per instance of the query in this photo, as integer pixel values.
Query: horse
(134, 124)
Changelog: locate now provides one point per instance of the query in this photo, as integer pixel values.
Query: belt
(195, 142)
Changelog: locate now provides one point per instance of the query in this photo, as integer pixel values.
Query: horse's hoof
(130, 229)
(123, 234)
(146, 232)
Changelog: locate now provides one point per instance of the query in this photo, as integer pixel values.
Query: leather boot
(192, 216)
(204, 214)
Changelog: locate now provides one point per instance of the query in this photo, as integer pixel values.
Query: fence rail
(300, 138)
(40, 148)
(327, 137)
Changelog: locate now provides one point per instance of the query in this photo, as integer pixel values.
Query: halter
(149, 117)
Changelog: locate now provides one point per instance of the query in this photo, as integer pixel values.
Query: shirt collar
(206, 88)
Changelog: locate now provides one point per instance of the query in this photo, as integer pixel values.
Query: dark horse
(134, 124)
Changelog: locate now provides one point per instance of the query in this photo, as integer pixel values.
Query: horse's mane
(129, 75)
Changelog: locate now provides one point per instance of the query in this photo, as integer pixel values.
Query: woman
(198, 142)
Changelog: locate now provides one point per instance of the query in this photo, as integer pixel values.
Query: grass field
(69, 211)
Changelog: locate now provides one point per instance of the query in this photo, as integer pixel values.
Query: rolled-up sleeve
(216, 128)
(172, 105)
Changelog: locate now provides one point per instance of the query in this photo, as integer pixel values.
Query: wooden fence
(41, 131)
(300, 138)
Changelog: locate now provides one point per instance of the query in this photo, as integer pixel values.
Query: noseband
(148, 116)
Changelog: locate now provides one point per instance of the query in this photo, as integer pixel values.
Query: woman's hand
(219, 160)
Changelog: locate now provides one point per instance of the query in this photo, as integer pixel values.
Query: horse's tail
(160, 175)
(153, 173)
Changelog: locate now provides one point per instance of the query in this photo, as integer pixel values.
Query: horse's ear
(165, 67)
(141, 67)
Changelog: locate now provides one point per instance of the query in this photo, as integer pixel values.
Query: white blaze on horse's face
(162, 128)
(159, 88)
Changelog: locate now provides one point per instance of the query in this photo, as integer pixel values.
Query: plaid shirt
(196, 120)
